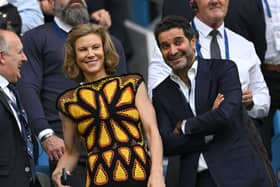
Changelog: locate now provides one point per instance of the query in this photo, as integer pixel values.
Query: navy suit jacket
(13, 154)
(230, 157)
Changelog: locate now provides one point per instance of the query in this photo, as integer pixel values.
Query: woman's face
(90, 57)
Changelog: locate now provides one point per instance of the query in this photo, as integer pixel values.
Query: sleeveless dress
(109, 123)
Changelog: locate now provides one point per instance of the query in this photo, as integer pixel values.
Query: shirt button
(27, 169)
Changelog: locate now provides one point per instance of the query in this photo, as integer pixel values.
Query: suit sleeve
(30, 85)
(212, 121)
(174, 144)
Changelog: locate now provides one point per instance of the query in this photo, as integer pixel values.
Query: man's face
(72, 12)
(177, 50)
(13, 58)
(212, 12)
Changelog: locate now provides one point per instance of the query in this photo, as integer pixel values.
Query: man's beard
(188, 54)
(73, 16)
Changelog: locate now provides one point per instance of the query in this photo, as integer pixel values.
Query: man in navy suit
(200, 114)
(16, 160)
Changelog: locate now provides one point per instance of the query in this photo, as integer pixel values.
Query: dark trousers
(36, 183)
(173, 171)
(204, 179)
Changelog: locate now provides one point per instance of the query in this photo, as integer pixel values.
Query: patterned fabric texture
(109, 123)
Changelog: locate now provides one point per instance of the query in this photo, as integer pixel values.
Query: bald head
(7, 37)
(11, 55)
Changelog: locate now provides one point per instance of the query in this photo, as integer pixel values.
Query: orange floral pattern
(109, 122)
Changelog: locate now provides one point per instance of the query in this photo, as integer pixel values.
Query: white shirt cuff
(45, 132)
(183, 126)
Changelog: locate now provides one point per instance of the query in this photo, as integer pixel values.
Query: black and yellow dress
(108, 121)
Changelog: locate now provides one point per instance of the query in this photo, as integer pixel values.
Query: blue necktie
(25, 129)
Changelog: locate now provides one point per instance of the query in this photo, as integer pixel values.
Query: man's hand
(54, 146)
(219, 99)
(178, 128)
(102, 17)
(247, 99)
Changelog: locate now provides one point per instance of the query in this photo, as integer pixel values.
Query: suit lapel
(5, 103)
(178, 98)
(202, 85)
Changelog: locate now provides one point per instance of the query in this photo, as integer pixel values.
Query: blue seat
(43, 161)
(276, 122)
(276, 145)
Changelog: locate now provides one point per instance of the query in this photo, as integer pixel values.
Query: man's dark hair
(171, 22)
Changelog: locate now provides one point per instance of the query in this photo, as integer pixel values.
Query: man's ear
(193, 42)
(2, 58)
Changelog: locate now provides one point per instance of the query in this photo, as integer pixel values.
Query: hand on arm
(178, 128)
(247, 99)
(72, 150)
(54, 146)
(219, 99)
(102, 17)
(148, 119)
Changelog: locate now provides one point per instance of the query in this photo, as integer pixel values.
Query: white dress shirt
(3, 85)
(190, 98)
(241, 51)
(272, 55)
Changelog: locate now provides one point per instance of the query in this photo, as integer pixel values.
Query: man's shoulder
(215, 67)
(239, 39)
(39, 31)
(215, 63)
(166, 84)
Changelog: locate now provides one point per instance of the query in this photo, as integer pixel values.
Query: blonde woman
(112, 114)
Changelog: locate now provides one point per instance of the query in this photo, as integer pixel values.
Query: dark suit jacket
(247, 19)
(13, 155)
(178, 8)
(230, 157)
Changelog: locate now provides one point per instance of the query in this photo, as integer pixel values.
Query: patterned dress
(109, 122)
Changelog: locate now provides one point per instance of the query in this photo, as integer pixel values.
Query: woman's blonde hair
(111, 58)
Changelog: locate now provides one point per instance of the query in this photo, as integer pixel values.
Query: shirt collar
(62, 25)
(3, 82)
(204, 29)
(191, 73)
